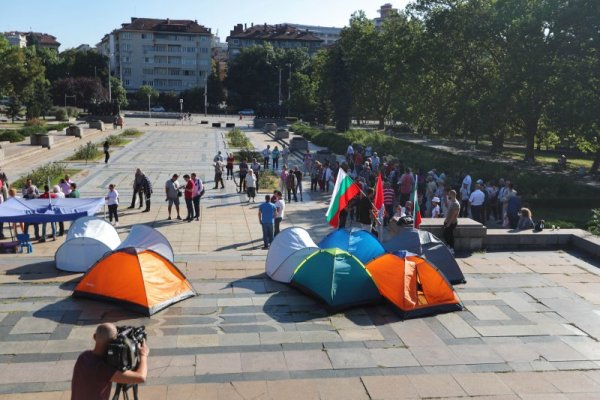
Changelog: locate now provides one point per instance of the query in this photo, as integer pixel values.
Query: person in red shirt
(189, 197)
(229, 165)
(93, 377)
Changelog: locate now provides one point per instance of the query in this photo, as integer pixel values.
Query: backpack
(539, 226)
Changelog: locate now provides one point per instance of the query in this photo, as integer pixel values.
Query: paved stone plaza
(528, 332)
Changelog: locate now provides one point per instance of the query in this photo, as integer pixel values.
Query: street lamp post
(289, 88)
(109, 83)
(205, 94)
(149, 110)
(71, 96)
(181, 110)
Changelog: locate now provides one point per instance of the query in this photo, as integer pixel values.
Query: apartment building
(38, 39)
(385, 11)
(282, 35)
(169, 55)
(328, 34)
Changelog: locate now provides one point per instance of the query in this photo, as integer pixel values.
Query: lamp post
(109, 83)
(71, 96)
(181, 110)
(205, 94)
(289, 88)
(149, 110)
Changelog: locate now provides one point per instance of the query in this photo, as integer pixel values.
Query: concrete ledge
(97, 125)
(469, 235)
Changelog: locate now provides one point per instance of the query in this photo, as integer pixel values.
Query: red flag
(378, 200)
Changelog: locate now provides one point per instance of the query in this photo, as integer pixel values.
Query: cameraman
(93, 377)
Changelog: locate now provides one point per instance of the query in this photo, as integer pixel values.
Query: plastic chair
(24, 242)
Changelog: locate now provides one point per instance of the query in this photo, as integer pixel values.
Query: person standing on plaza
(137, 188)
(308, 162)
(326, 178)
(218, 157)
(275, 155)
(436, 211)
(298, 188)
(112, 201)
(476, 201)
(365, 210)
(172, 193)
(198, 193)
(74, 194)
(251, 185)
(48, 195)
(243, 173)
(290, 185)
(147, 189)
(406, 183)
(189, 197)
(106, 147)
(218, 165)
(60, 195)
(280, 206)
(229, 165)
(266, 153)
(266, 217)
(388, 202)
(283, 178)
(65, 187)
(256, 169)
(451, 219)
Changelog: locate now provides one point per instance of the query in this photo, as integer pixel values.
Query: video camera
(124, 351)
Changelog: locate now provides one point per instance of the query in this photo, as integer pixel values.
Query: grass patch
(269, 181)
(55, 171)
(237, 139)
(117, 140)
(132, 132)
(87, 152)
(566, 218)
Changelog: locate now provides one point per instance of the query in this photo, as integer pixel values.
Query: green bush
(72, 112)
(32, 130)
(237, 139)
(88, 151)
(40, 176)
(61, 114)
(594, 223)
(11, 136)
(35, 122)
(529, 184)
(132, 132)
(57, 127)
(117, 140)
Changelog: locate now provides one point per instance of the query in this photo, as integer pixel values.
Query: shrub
(32, 130)
(35, 122)
(116, 140)
(72, 112)
(11, 136)
(57, 127)
(40, 176)
(236, 138)
(61, 114)
(594, 223)
(132, 132)
(88, 151)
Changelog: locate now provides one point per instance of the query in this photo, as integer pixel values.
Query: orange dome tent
(413, 285)
(140, 279)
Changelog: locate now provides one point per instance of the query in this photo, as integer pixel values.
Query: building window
(203, 38)
(126, 82)
(125, 59)
(204, 50)
(146, 36)
(236, 41)
(126, 47)
(174, 71)
(127, 71)
(174, 83)
(160, 59)
(160, 82)
(188, 61)
(203, 62)
(161, 71)
(148, 71)
(174, 49)
(126, 35)
(148, 60)
(189, 73)
(175, 60)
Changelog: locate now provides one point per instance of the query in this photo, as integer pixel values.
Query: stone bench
(469, 235)
(74, 130)
(216, 125)
(97, 125)
(230, 125)
(43, 140)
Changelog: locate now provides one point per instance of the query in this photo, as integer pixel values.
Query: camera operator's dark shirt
(91, 378)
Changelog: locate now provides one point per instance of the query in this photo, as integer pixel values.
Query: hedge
(530, 185)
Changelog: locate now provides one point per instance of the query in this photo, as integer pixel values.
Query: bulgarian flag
(343, 191)
(416, 208)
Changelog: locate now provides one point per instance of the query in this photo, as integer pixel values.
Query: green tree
(143, 93)
(119, 95)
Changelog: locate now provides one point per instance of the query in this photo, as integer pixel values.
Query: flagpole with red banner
(416, 207)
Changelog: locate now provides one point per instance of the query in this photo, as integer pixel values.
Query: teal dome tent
(337, 278)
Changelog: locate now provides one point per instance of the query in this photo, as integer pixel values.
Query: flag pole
(415, 199)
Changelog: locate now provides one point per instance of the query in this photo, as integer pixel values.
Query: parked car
(269, 127)
(246, 111)
(282, 133)
(157, 109)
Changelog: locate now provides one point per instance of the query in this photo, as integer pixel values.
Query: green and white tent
(337, 278)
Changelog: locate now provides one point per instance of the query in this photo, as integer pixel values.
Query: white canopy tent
(88, 239)
(289, 248)
(143, 237)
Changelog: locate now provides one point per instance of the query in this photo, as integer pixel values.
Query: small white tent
(88, 239)
(288, 249)
(146, 238)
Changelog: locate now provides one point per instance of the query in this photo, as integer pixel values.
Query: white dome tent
(289, 247)
(147, 238)
(88, 239)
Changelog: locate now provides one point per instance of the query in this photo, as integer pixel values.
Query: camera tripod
(122, 387)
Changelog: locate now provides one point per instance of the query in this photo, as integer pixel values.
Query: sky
(85, 22)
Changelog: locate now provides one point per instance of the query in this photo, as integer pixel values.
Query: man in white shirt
(349, 152)
(476, 201)
(280, 211)
(467, 181)
(266, 153)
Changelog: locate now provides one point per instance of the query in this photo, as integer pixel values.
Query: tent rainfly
(416, 287)
(88, 239)
(360, 243)
(425, 244)
(138, 274)
(289, 248)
